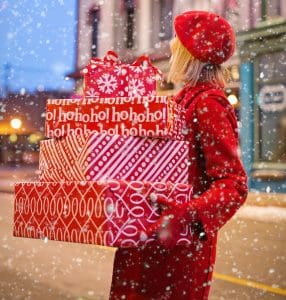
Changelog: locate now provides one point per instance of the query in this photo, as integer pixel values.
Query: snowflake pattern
(150, 80)
(137, 69)
(107, 83)
(152, 93)
(92, 93)
(136, 88)
(118, 70)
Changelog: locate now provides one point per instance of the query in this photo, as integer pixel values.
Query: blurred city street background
(45, 45)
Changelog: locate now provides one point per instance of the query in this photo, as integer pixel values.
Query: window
(162, 19)
(270, 9)
(273, 8)
(94, 20)
(271, 128)
(130, 23)
(166, 15)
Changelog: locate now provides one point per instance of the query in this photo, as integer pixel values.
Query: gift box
(108, 77)
(101, 156)
(154, 116)
(110, 213)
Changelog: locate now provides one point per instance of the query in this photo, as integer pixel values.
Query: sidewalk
(266, 199)
(10, 175)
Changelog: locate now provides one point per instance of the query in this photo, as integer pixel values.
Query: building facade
(263, 104)
(136, 27)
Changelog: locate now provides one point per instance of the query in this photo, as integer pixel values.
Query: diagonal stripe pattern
(94, 157)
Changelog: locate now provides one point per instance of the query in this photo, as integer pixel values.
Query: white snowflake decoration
(107, 83)
(137, 69)
(150, 80)
(152, 93)
(92, 93)
(117, 70)
(136, 88)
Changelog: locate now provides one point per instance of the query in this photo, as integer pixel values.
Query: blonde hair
(189, 70)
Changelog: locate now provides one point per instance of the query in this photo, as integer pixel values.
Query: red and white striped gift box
(101, 156)
(110, 213)
(153, 116)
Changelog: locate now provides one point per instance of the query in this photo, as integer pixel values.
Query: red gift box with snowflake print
(108, 77)
(100, 156)
(153, 116)
(110, 213)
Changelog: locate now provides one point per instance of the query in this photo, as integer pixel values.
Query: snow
(38, 51)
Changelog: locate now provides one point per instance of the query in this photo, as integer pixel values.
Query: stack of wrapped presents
(108, 156)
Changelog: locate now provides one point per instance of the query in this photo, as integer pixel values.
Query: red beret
(207, 36)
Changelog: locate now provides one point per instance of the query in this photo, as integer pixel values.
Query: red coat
(220, 188)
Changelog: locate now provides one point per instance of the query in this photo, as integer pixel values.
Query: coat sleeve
(227, 191)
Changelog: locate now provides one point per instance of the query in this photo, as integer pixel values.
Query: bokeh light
(16, 123)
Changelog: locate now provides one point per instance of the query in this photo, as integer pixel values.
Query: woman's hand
(174, 218)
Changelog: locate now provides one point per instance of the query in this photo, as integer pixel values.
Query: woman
(163, 270)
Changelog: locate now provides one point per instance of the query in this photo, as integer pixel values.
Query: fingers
(155, 198)
(168, 233)
(152, 229)
(159, 226)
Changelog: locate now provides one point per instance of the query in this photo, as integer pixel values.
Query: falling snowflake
(136, 88)
(107, 83)
(92, 93)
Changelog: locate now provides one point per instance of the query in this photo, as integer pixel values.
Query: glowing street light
(16, 123)
(232, 99)
(13, 138)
